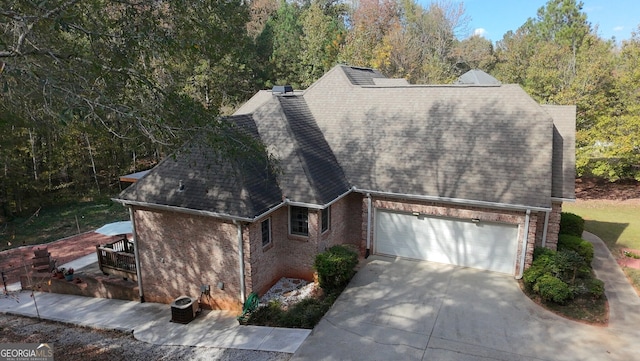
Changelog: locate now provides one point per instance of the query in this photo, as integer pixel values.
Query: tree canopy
(92, 89)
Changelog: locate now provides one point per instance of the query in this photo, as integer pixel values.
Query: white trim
(289, 222)
(368, 222)
(136, 253)
(545, 227)
(268, 219)
(196, 212)
(328, 209)
(525, 241)
(241, 262)
(467, 202)
(557, 199)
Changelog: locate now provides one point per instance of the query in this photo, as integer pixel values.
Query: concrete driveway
(405, 310)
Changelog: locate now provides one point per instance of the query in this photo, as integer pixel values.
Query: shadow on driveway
(405, 310)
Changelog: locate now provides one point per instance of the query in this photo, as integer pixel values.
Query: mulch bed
(594, 188)
(17, 261)
(626, 261)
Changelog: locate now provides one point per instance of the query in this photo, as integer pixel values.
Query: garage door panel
(482, 245)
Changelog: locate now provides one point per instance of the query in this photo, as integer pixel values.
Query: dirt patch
(73, 343)
(16, 262)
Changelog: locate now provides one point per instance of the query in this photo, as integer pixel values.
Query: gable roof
(355, 129)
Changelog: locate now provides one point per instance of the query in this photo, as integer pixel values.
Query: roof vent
(180, 187)
(282, 89)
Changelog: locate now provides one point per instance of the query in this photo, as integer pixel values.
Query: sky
(493, 18)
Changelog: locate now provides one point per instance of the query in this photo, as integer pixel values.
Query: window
(299, 220)
(325, 219)
(266, 232)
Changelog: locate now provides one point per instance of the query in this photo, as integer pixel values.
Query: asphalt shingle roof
(564, 148)
(477, 77)
(481, 143)
(210, 182)
(325, 176)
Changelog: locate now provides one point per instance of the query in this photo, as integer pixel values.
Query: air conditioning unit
(184, 309)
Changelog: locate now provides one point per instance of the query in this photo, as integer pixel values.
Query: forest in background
(94, 89)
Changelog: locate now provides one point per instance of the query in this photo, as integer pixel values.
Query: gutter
(241, 262)
(544, 229)
(368, 251)
(226, 216)
(312, 205)
(196, 212)
(525, 237)
(468, 202)
(136, 254)
(559, 199)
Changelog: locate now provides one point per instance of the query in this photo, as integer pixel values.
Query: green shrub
(566, 265)
(542, 252)
(531, 275)
(577, 244)
(269, 315)
(306, 313)
(543, 263)
(553, 289)
(596, 288)
(335, 268)
(571, 224)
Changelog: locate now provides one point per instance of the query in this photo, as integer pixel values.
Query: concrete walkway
(398, 309)
(150, 322)
(624, 303)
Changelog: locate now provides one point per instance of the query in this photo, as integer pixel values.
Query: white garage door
(484, 245)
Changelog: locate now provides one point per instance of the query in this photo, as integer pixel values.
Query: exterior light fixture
(417, 214)
(475, 220)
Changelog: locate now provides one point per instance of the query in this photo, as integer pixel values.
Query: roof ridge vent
(282, 89)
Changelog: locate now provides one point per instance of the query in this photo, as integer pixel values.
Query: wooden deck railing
(117, 259)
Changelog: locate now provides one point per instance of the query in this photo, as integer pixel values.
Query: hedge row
(559, 276)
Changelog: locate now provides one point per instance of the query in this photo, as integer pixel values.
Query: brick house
(472, 174)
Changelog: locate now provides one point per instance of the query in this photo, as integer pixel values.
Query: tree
(279, 46)
(474, 52)
(611, 147)
(87, 84)
(323, 34)
(369, 22)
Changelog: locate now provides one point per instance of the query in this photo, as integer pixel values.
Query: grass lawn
(616, 222)
(51, 224)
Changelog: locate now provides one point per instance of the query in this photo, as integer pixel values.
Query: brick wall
(293, 256)
(346, 220)
(554, 225)
(180, 252)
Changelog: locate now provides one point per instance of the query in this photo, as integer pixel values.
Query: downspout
(544, 229)
(368, 251)
(524, 243)
(136, 254)
(241, 261)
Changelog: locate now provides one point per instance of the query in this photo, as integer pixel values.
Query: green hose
(250, 305)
